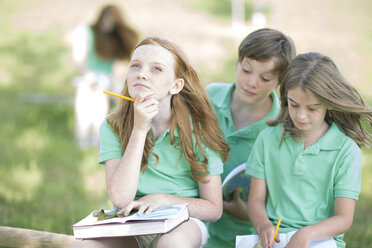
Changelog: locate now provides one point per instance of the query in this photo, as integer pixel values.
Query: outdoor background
(46, 182)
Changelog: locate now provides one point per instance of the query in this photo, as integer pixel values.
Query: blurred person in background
(99, 52)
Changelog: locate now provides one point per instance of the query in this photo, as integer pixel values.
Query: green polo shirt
(172, 175)
(94, 61)
(303, 183)
(223, 232)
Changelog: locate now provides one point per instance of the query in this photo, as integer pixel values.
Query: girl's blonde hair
(191, 101)
(318, 76)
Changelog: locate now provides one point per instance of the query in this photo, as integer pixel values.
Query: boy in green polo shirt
(306, 167)
(242, 109)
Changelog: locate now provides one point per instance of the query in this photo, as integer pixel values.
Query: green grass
(360, 234)
(224, 74)
(220, 9)
(47, 183)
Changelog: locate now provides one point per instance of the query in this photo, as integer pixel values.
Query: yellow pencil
(124, 97)
(276, 230)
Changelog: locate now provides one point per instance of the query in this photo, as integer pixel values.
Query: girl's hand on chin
(145, 109)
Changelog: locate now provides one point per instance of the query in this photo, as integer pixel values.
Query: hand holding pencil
(276, 231)
(259, 244)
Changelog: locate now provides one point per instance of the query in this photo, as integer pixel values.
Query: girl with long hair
(165, 148)
(99, 52)
(306, 167)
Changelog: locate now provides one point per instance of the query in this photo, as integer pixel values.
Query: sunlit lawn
(46, 182)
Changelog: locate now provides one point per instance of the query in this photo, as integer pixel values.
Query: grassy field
(47, 183)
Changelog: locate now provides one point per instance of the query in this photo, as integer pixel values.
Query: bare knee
(88, 243)
(129, 242)
(185, 236)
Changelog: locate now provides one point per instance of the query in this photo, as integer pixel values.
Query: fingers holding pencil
(276, 231)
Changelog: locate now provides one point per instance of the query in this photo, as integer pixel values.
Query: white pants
(91, 106)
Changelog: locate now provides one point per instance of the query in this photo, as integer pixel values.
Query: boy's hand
(145, 109)
(236, 207)
(301, 239)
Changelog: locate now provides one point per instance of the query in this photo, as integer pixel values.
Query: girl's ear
(177, 87)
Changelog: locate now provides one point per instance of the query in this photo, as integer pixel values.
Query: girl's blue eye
(158, 68)
(134, 66)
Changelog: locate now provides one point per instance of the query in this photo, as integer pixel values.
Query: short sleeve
(255, 164)
(215, 164)
(109, 144)
(348, 175)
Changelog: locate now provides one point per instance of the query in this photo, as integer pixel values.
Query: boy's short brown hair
(265, 44)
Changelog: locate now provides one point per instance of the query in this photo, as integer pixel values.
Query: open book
(252, 241)
(161, 220)
(236, 179)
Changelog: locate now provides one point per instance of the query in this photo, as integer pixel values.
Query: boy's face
(255, 80)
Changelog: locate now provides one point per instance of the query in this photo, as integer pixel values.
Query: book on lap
(251, 241)
(236, 179)
(159, 221)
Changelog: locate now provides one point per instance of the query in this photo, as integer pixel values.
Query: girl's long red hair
(192, 102)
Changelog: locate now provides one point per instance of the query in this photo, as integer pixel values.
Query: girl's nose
(142, 74)
(301, 114)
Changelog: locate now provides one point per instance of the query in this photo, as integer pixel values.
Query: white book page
(159, 214)
(249, 241)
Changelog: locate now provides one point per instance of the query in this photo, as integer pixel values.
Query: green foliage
(220, 9)
(224, 74)
(360, 234)
(359, 14)
(47, 182)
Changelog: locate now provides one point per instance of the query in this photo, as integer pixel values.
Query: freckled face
(306, 112)
(255, 80)
(151, 68)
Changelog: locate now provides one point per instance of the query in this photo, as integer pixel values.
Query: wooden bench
(20, 237)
